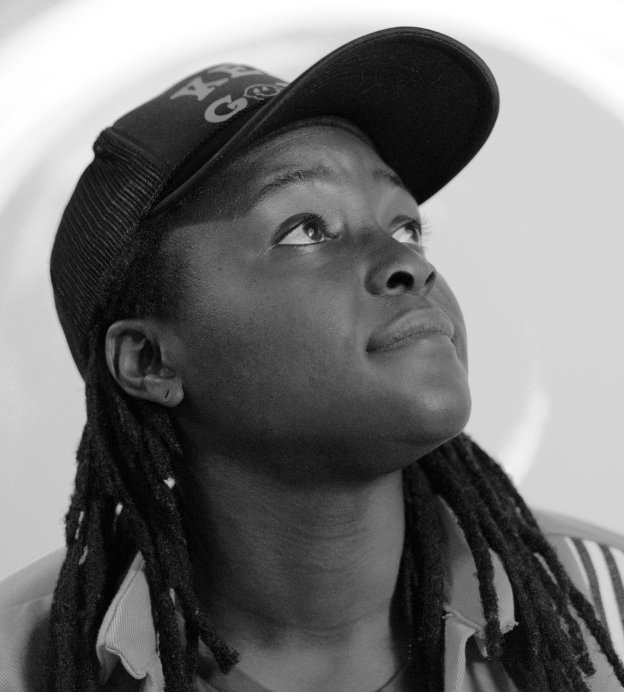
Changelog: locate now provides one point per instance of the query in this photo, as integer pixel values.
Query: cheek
(248, 347)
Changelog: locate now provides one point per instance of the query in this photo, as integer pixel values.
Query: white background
(529, 235)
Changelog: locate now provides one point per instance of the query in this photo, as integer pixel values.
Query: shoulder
(555, 524)
(593, 558)
(25, 599)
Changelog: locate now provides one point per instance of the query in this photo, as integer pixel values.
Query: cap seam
(163, 166)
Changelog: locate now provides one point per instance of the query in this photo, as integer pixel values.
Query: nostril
(430, 281)
(400, 278)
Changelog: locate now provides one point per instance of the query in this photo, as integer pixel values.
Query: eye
(410, 232)
(309, 231)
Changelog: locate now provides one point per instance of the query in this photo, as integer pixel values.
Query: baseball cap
(427, 102)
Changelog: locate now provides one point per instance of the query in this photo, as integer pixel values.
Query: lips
(409, 326)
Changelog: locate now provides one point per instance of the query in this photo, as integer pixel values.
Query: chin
(426, 392)
(413, 429)
(437, 416)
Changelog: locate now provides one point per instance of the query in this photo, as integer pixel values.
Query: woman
(274, 491)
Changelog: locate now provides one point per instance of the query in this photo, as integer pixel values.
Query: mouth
(414, 325)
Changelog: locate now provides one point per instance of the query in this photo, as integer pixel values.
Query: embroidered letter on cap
(235, 70)
(261, 92)
(198, 88)
(232, 107)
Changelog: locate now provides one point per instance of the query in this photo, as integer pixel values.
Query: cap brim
(427, 101)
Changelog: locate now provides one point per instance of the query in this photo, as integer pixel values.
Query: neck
(297, 571)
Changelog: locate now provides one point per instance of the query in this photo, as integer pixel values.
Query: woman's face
(313, 328)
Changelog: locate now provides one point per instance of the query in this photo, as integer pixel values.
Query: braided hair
(126, 500)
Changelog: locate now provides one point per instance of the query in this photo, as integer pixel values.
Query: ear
(134, 355)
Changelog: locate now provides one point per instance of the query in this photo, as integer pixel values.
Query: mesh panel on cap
(100, 220)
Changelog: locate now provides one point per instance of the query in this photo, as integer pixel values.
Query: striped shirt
(126, 644)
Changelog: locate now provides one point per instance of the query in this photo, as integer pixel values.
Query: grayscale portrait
(311, 347)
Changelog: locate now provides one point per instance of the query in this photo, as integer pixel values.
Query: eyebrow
(316, 173)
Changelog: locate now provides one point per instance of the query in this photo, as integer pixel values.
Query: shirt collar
(463, 601)
(127, 632)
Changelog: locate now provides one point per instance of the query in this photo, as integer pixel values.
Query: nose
(397, 268)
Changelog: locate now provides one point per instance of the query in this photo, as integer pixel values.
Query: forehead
(308, 141)
(305, 153)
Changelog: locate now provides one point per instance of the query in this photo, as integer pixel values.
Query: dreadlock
(126, 500)
(546, 651)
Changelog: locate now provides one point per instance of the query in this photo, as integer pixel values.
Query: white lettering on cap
(231, 107)
(235, 70)
(198, 88)
(263, 91)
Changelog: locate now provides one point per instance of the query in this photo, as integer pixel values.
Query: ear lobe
(133, 356)
(166, 390)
